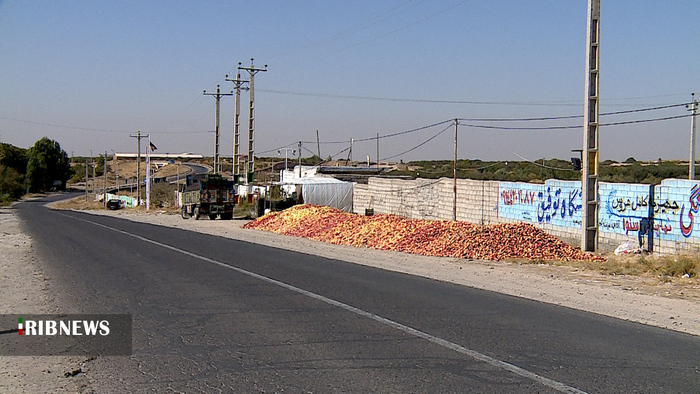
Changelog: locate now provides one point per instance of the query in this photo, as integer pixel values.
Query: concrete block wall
(360, 198)
(554, 206)
(476, 200)
(412, 199)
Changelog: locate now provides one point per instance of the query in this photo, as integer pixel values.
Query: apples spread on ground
(427, 237)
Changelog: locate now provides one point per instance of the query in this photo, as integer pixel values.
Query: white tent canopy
(328, 192)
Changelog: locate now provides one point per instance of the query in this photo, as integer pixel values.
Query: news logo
(61, 327)
(53, 335)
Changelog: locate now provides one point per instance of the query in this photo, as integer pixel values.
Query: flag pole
(148, 173)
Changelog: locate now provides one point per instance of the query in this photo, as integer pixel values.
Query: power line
(396, 99)
(544, 166)
(64, 126)
(354, 29)
(276, 149)
(644, 109)
(570, 116)
(419, 145)
(563, 103)
(406, 26)
(100, 130)
(387, 135)
(573, 127)
(543, 128)
(478, 126)
(645, 120)
(548, 118)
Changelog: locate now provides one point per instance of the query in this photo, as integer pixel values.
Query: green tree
(13, 165)
(11, 184)
(14, 157)
(47, 163)
(77, 173)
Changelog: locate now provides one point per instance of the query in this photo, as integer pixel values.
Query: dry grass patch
(662, 266)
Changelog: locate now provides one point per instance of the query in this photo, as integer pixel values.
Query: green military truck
(208, 195)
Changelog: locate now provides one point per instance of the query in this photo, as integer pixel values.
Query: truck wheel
(185, 215)
(195, 214)
(227, 216)
(212, 216)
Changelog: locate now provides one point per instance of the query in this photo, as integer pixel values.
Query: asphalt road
(219, 315)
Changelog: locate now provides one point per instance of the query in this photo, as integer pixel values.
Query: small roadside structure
(319, 190)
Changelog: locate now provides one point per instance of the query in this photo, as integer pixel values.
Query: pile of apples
(426, 237)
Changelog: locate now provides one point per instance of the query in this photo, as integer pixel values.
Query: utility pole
(218, 95)
(286, 151)
(86, 180)
(138, 137)
(238, 85)
(318, 145)
(94, 181)
(250, 175)
(377, 153)
(116, 171)
(454, 178)
(693, 107)
(148, 172)
(589, 175)
(92, 165)
(352, 141)
(299, 159)
(104, 170)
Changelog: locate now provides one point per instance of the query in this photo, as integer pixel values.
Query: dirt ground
(23, 290)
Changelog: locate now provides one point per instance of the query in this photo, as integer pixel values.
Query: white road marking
(559, 386)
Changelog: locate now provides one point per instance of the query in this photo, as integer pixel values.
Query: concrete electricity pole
(104, 170)
(693, 107)
(589, 175)
(454, 178)
(94, 181)
(352, 141)
(299, 159)
(116, 171)
(377, 153)
(318, 145)
(250, 173)
(138, 137)
(218, 95)
(238, 84)
(86, 180)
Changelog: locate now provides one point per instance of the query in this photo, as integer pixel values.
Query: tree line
(629, 171)
(44, 166)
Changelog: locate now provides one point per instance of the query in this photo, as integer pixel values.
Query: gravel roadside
(23, 290)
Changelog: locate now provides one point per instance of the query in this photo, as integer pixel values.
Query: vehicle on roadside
(114, 204)
(208, 195)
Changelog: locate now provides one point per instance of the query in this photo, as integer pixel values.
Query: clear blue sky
(88, 73)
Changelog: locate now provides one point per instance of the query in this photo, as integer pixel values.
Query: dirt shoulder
(672, 304)
(23, 290)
